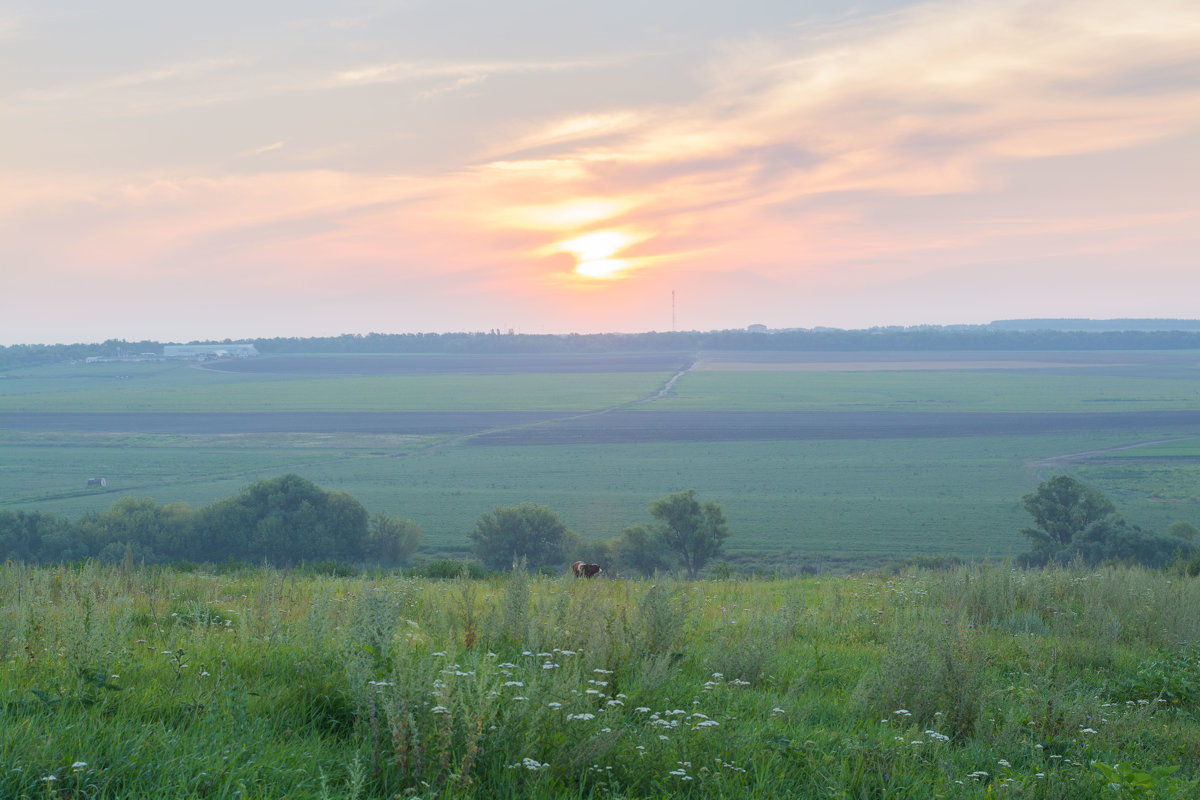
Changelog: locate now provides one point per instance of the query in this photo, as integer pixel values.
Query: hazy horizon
(280, 169)
(1001, 325)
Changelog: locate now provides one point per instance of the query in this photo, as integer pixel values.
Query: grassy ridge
(974, 683)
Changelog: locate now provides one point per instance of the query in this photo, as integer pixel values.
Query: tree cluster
(685, 534)
(1076, 522)
(278, 521)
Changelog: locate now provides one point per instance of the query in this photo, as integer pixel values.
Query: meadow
(794, 500)
(977, 682)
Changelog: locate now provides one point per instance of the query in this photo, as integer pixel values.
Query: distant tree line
(932, 338)
(289, 520)
(279, 521)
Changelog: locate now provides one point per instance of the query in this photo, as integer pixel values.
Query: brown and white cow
(583, 570)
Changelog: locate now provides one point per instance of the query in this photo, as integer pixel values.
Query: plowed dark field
(403, 422)
(464, 364)
(536, 428)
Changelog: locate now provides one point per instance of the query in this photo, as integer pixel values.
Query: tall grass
(981, 681)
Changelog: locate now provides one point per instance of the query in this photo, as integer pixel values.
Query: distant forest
(1005, 335)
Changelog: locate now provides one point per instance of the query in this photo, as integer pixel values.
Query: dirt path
(663, 392)
(1066, 459)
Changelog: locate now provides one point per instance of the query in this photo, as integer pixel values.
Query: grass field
(801, 501)
(182, 390)
(927, 390)
(978, 682)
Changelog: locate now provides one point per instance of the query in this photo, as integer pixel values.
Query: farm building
(209, 350)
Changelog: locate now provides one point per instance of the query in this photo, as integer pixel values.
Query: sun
(593, 253)
(602, 268)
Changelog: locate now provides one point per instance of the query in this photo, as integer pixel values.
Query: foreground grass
(980, 682)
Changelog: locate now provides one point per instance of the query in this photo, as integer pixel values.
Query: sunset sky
(223, 170)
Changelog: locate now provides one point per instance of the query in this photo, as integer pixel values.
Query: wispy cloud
(400, 71)
(461, 83)
(258, 151)
(168, 77)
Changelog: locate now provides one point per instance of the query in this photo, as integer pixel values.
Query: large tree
(695, 531)
(282, 520)
(530, 531)
(1062, 508)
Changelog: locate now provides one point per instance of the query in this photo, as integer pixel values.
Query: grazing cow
(583, 570)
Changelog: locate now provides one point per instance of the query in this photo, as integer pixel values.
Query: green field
(927, 390)
(178, 388)
(795, 502)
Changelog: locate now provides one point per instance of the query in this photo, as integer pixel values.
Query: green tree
(1181, 529)
(282, 520)
(34, 536)
(695, 531)
(506, 534)
(1063, 508)
(642, 549)
(391, 540)
(156, 532)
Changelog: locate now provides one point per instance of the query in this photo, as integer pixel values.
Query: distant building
(756, 328)
(209, 350)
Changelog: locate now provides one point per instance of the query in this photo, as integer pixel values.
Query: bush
(448, 569)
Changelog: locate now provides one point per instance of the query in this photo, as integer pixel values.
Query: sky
(185, 171)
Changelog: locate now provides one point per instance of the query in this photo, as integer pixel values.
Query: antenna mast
(672, 311)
